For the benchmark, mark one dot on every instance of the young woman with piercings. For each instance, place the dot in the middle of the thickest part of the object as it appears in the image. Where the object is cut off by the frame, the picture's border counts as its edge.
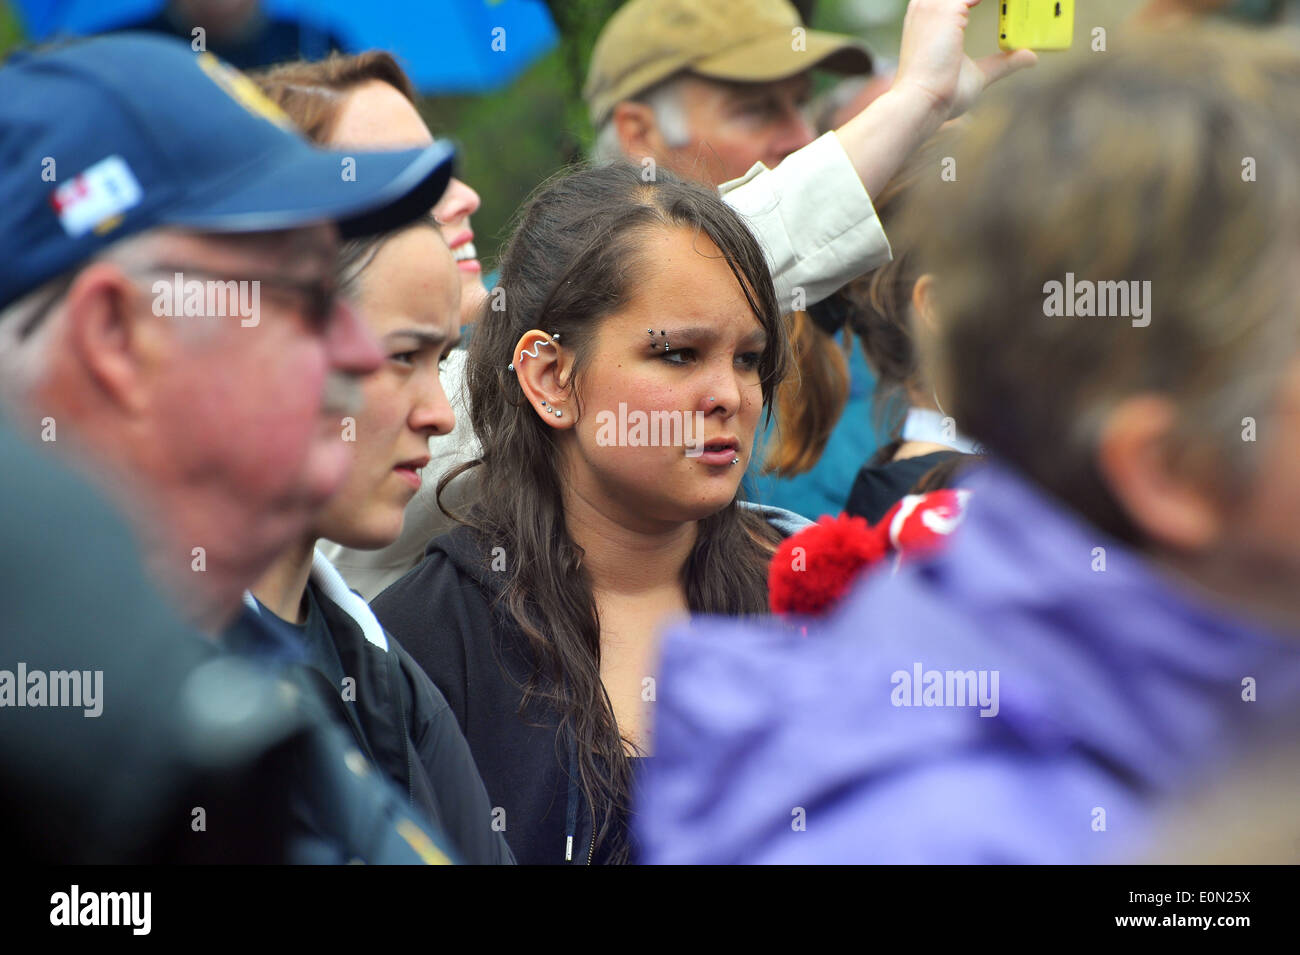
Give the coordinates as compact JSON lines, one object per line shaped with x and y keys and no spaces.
{"x":538,"y":618}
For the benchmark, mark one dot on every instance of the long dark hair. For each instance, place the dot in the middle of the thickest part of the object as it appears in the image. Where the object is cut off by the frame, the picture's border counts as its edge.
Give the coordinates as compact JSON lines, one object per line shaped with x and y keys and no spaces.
{"x":572,"y":260}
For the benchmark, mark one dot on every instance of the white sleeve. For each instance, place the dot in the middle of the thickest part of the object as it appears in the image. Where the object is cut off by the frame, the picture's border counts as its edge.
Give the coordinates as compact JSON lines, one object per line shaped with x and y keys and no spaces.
{"x":813,"y":218}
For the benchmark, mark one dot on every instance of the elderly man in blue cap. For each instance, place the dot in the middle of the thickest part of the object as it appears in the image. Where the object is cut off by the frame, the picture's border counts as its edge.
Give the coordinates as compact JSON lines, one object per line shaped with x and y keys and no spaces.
{"x":169,"y":323}
{"x":168,"y":309}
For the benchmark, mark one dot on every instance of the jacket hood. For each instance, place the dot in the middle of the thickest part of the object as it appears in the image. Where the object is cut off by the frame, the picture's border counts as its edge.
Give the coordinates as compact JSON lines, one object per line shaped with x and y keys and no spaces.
{"x":1112,"y":690}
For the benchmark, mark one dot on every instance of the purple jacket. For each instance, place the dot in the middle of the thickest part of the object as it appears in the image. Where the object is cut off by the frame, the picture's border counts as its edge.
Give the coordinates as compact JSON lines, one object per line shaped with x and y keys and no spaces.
{"x":1102,"y":693}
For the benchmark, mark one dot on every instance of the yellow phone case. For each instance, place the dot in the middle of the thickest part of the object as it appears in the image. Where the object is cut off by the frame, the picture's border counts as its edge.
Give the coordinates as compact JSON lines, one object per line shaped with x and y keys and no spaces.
{"x":1036,"y":24}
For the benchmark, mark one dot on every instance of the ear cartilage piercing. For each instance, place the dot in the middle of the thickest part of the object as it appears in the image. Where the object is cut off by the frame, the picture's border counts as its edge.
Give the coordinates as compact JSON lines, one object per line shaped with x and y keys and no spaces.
{"x":531,"y":352}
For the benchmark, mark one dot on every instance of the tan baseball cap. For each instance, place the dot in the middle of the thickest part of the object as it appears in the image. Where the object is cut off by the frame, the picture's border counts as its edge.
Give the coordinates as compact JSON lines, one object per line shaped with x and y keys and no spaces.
{"x":746,"y":41}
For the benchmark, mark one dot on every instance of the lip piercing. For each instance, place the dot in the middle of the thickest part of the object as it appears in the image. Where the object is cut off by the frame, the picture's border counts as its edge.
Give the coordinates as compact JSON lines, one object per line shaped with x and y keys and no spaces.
{"x":735,"y":460}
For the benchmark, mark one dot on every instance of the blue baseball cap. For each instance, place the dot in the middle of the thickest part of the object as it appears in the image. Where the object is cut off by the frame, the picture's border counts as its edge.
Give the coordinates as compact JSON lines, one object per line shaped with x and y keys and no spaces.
{"x":107,"y":137}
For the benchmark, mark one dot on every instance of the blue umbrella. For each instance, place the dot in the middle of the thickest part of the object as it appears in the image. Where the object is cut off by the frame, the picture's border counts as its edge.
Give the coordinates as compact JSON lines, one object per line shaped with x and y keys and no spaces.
{"x":447,"y":46}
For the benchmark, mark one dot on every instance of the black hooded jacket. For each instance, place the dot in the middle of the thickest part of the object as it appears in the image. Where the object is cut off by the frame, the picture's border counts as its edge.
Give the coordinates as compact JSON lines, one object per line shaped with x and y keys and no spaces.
{"x":446,"y":613}
{"x":401,"y":722}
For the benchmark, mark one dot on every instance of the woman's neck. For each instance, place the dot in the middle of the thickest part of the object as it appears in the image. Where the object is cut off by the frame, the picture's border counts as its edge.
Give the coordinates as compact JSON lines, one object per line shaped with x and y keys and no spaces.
{"x":282,"y":588}
{"x":622,"y":560}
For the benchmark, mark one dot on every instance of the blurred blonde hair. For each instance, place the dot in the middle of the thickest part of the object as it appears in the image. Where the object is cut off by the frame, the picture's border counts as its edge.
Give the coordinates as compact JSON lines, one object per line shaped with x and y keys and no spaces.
{"x":1128,"y":166}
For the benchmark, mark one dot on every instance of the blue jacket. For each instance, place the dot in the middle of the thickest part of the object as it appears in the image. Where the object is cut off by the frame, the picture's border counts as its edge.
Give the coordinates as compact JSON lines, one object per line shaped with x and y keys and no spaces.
{"x":1115,"y":690}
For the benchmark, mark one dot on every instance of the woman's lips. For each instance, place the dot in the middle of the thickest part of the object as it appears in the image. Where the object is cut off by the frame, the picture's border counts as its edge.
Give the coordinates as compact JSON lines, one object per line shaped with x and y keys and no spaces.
{"x":718,"y":453}
{"x":408,"y":474}
{"x":409,"y":471}
{"x":464,"y":252}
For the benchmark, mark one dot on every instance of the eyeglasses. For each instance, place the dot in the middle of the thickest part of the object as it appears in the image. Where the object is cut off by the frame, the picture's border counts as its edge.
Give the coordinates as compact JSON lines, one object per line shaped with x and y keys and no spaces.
{"x":320,"y":297}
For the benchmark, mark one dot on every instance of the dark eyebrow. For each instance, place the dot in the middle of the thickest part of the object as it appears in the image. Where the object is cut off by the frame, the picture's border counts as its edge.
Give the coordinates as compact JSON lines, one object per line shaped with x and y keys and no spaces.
{"x":424,"y":336}
{"x":707,"y":333}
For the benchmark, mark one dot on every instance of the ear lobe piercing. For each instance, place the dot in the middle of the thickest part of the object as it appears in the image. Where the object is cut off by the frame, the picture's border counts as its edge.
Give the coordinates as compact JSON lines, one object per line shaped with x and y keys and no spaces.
{"x":555,"y":411}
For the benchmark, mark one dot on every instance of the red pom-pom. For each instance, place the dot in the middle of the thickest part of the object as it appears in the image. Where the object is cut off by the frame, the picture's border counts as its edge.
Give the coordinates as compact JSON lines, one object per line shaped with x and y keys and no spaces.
{"x":812,"y":569}
{"x":920,"y":522}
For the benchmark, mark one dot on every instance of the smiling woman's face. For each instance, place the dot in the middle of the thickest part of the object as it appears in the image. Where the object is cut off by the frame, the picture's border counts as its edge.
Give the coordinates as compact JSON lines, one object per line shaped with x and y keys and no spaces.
{"x":708,"y":374}
{"x":377,"y":116}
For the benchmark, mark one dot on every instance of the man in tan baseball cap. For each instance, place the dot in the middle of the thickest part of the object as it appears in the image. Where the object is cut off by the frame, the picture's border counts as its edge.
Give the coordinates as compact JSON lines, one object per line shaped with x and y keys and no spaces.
{"x":669,"y":75}
{"x":713,"y":91}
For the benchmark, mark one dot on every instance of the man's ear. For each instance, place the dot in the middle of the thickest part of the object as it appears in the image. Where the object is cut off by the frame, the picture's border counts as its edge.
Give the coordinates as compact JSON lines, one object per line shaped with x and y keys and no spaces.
{"x":1175,"y":509}
{"x":543,"y":367}
{"x":637,"y":130}
{"x":115,"y":345}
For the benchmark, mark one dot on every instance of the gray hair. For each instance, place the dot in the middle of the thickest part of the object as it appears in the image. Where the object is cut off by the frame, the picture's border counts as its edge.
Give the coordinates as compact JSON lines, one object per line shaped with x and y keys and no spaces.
{"x":665,"y":102}
{"x":27,"y":325}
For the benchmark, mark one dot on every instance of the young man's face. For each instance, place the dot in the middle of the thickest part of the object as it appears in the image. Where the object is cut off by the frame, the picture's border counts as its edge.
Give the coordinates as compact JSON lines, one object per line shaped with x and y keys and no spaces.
{"x":734,"y":125}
